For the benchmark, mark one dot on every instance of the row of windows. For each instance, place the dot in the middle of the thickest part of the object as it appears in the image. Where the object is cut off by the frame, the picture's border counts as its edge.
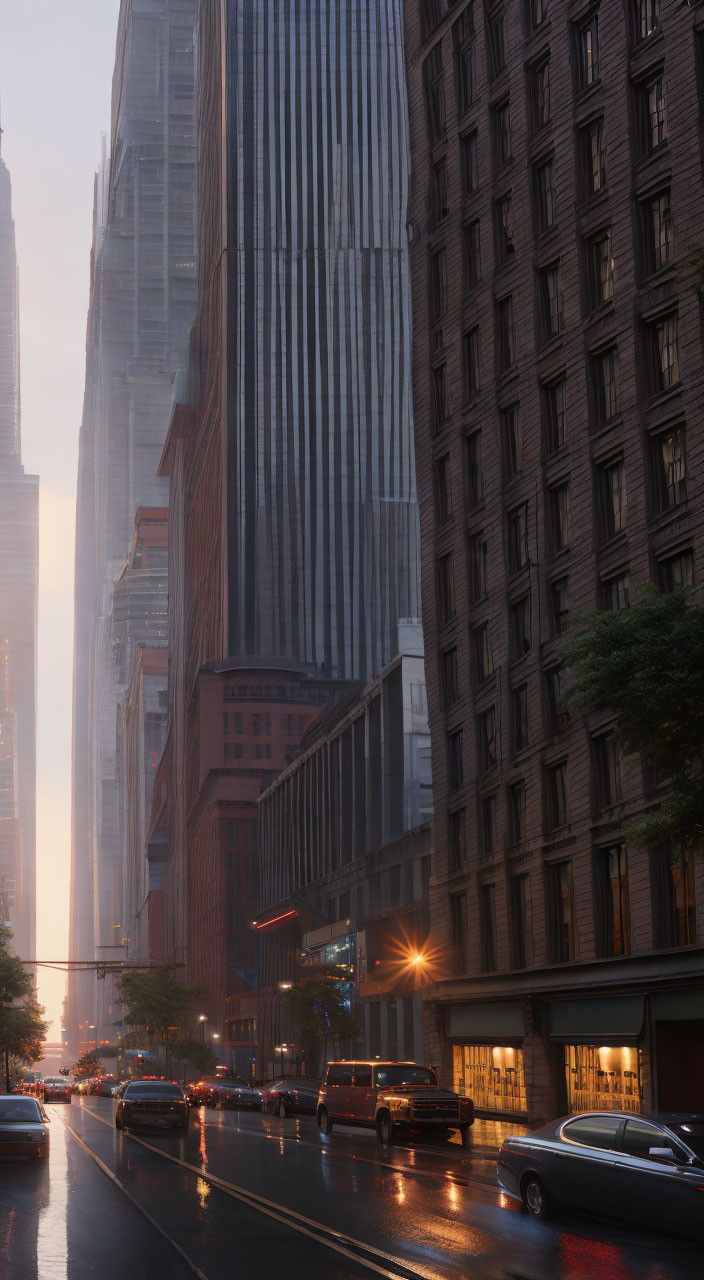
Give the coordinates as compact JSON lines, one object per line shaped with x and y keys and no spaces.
{"x":674,"y":910}
{"x":262,"y":722}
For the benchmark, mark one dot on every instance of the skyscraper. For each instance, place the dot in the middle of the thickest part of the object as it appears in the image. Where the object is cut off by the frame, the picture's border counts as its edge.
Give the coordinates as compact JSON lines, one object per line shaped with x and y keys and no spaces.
{"x":19,"y":515}
{"x":141,"y":310}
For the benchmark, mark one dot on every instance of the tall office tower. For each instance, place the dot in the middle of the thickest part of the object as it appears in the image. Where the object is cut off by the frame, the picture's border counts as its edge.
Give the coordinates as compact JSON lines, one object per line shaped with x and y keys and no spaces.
{"x":293,"y":527}
{"x":141,"y":309}
{"x":557,"y":196}
{"x":19,"y":516}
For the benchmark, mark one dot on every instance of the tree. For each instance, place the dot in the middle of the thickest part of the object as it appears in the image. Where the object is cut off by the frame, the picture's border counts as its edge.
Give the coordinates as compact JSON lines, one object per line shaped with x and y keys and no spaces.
{"x":192,"y":1053}
{"x":318,"y":1010}
{"x":646,"y":665}
{"x":159,"y":1003}
{"x":88,"y":1066}
{"x":22,"y":1028}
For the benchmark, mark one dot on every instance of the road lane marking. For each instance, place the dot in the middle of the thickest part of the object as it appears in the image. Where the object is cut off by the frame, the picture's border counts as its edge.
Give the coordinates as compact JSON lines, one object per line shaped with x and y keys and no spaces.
{"x":289,"y":1217}
{"x":114,"y":1179}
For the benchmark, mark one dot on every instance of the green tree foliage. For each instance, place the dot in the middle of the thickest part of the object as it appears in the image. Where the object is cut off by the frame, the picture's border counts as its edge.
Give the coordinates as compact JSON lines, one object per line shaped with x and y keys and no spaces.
{"x":22,"y":1029}
{"x":157,"y":1001}
{"x":646,"y":665}
{"x":193,"y":1053}
{"x":87,"y":1067}
{"x":317,"y":1009}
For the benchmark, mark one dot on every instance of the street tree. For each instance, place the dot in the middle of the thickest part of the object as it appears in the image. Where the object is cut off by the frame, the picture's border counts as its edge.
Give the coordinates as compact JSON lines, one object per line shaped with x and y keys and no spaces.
{"x":22,"y":1028}
{"x":88,"y":1066}
{"x":646,"y":665}
{"x":319,"y":1013}
{"x":158,"y":1002}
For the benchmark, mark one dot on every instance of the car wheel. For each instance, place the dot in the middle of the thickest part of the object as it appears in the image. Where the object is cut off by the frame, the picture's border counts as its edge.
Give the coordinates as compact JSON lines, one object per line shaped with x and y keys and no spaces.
{"x":535,"y":1197}
{"x":324,"y":1121}
{"x":118,"y":1122}
{"x":385,"y":1128}
{"x":281,"y":1109}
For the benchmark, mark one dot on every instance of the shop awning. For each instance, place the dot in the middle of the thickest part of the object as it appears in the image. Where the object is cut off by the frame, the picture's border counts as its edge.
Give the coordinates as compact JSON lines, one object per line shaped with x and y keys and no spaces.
{"x":680,"y":1006}
{"x":495,"y":1023}
{"x":609,"y":1020}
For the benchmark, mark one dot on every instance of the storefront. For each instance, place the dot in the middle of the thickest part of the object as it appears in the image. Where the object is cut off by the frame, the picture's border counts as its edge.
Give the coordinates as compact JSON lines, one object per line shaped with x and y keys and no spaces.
{"x":605,"y":1060}
{"x":487,"y":1056}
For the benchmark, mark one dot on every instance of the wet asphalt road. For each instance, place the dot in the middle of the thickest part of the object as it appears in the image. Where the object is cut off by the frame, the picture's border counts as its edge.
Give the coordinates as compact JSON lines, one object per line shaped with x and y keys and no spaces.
{"x":247,"y":1197}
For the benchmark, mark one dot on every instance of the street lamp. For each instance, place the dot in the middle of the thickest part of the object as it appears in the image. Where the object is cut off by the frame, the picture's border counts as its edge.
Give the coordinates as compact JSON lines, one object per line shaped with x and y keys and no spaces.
{"x":203,"y":1018}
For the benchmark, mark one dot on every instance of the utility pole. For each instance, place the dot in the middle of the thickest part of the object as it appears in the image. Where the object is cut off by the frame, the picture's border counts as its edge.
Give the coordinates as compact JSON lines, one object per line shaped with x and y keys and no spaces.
{"x":7,"y":1071}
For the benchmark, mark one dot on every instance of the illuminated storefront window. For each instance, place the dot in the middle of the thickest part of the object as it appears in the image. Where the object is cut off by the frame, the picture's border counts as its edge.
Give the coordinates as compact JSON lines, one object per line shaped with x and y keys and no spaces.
{"x":602,"y":1079}
{"x":492,"y":1075}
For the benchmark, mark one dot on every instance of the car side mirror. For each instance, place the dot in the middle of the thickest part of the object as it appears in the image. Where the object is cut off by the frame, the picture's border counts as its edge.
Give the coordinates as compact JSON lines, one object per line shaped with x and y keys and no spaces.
{"x":662,"y":1153}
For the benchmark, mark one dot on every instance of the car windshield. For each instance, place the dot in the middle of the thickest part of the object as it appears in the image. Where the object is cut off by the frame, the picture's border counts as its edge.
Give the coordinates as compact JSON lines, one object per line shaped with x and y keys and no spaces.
{"x":692,"y":1134}
{"x":399,"y":1074}
{"x":153,"y":1091}
{"x":20,"y":1109}
{"x":55,"y":1080}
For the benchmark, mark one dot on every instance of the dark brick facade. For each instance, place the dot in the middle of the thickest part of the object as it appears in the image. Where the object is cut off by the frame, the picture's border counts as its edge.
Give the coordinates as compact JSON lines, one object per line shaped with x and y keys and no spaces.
{"x":557,"y":197}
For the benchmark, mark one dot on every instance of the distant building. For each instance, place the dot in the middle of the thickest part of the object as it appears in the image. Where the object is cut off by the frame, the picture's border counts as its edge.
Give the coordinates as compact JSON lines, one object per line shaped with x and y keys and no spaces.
{"x":19,"y":553}
{"x":557,"y":197}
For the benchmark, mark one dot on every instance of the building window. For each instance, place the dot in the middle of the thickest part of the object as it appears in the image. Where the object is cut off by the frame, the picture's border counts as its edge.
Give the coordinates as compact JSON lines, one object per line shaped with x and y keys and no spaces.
{"x":438,"y":285}
{"x":463,"y":39}
{"x":554,"y":414}
{"x":537,"y":13}
{"x":456,"y":839}
{"x":616,"y":592}
{"x":600,"y":264}
{"x":551,"y":300}
{"x":503,"y":221}
{"x":539,"y":81}
{"x":664,"y":352}
{"x":677,"y":571}
{"x":608,"y":771}
{"x":434,"y":93}
{"x":555,"y":686}
{"x":478,"y":559}
{"x":544,"y":183}
{"x":669,"y":467}
{"x":520,"y":628}
{"x":511,"y":436}
{"x":519,"y":718}
{"x":492,"y":1075}
{"x":560,"y":517}
{"x":443,"y":490}
{"x":522,"y":921}
{"x":450,"y":679}
{"x":593,"y":157}
{"x":475,"y":479}
{"x":446,"y":587}
{"x":482,"y":652}
{"x":432,"y":12}
{"x":487,"y":739}
{"x":469,"y":162}
{"x":605,"y":372}
{"x":496,"y":41}
{"x":673,"y":898}
{"x":455,"y":756}
{"x":648,"y":18}
{"x":470,"y":364}
{"x":602,"y":1078}
{"x":438,"y":377}
{"x":488,"y":927}
{"x":439,"y":207}
{"x":655,"y":113}
{"x":556,"y":796}
{"x":657,"y":221}
{"x":561,"y":901}
{"x":472,"y":255}
{"x":559,"y":606}
{"x":612,"y":487}
{"x":458,"y":923}
{"x":505,"y":334}
{"x":502,"y":133}
{"x":588,"y":52}
{"x":517,"y":810}
{"x":518,"y":538}
{"x":488,"y":824}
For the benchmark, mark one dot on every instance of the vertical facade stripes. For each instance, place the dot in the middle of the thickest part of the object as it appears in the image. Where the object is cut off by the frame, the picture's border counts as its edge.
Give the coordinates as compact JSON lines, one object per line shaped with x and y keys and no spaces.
{"x":323,"y":526}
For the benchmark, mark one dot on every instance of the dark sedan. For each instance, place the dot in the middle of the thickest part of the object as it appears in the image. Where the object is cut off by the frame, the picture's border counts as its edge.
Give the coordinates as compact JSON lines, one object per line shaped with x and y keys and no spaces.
{"x":57,"y":1089}
{"x":155,"y":1102}
{"x":647,"y":1169}
{"x":235,"y":1091}
{"x":23,"y":1127}
{"x":297,"y":1096}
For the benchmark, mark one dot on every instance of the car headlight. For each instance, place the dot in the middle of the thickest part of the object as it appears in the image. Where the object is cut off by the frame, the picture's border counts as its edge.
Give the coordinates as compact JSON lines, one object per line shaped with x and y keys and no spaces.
{"x":399,"y":1104}
{"x":42,"y":1137}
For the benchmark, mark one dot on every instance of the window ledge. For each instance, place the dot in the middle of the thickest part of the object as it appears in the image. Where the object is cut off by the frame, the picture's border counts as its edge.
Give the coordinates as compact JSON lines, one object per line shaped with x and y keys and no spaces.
{"x":551,"y":344}
{"x":603,"y":428}
{"x":669,"y":516}
{"x":662,"y":397}
{"x":596,"y":315}
{"x":616,"y":540}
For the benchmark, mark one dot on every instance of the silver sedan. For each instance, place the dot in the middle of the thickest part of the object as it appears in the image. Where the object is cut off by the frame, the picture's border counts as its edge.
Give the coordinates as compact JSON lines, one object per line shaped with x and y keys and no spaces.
{"x":23,"y":1127}
{"x":647,"y":1169}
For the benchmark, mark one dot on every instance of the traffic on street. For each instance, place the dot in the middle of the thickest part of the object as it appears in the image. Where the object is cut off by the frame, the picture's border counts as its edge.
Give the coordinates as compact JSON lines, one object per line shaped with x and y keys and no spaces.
{"x":251,"y":1194}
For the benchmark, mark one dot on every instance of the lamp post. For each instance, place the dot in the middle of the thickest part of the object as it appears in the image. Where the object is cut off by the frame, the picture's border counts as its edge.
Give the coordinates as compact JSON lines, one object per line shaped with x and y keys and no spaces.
{"x":203,"y":1018}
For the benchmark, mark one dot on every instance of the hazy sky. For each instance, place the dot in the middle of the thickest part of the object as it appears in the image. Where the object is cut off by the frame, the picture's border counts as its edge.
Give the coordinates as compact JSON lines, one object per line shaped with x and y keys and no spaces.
{"x":56,"y":59}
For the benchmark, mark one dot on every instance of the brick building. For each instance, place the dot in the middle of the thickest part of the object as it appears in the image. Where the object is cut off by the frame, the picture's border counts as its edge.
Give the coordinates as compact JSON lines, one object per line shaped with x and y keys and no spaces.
{"x":556,"y":200}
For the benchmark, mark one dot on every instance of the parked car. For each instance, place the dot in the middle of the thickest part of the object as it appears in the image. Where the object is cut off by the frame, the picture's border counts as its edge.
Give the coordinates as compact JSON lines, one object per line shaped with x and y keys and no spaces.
{"x":23,"y":1127}
{"x":57,"y":1089}
{"x":390,"y":1096}
{"x":104,"y":1086}
{"x":234,"y":1091}
{"x":296,"y":1096}
{"x":649,"y":1169}
{"x":152,"y":1102}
